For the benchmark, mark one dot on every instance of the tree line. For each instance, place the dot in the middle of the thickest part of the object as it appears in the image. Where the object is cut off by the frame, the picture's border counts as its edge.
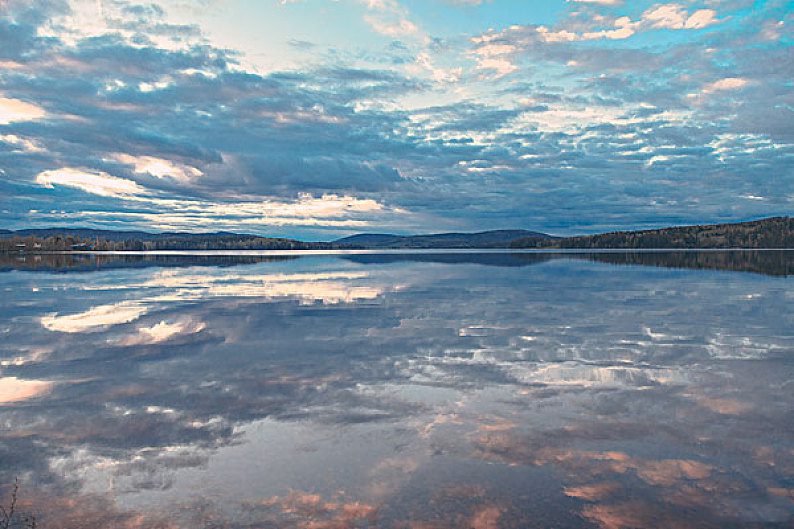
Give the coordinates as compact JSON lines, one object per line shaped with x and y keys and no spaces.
{"x":59,"y":243}
{"x":776,"y":232}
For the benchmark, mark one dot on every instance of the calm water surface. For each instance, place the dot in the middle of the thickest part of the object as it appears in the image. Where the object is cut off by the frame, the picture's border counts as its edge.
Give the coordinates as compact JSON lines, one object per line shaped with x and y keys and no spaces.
{"x":399,"y":391}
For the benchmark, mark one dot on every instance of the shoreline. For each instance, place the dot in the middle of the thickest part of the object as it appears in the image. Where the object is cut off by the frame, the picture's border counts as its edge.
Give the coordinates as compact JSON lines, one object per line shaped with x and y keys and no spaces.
{"x":398,"y":251}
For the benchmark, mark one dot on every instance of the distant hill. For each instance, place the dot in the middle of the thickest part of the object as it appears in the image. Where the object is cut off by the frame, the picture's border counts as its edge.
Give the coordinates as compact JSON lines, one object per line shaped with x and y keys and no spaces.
{"x":66,"y":239}
{"x":485,"y":239}
{"x":368,"y":239}
{"x":113,"y":235}
{"x":775,"y":232}
{"x":92,"y":239}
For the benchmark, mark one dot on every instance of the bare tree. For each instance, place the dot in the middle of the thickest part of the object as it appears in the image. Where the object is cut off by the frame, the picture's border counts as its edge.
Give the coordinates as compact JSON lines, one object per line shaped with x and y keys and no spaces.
{"x":10,"y":518}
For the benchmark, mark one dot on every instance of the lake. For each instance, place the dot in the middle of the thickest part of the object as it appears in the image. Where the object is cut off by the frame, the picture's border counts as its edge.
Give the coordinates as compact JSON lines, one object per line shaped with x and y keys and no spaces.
{"x":399,"y":390}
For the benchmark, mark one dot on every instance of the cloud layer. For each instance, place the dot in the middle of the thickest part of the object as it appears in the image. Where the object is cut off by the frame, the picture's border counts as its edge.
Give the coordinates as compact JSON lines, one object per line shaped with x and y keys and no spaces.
{"x":599,"y":115}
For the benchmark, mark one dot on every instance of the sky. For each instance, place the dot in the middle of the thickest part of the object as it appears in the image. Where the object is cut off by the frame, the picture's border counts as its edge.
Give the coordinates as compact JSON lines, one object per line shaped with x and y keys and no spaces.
{"x":317,"y":119}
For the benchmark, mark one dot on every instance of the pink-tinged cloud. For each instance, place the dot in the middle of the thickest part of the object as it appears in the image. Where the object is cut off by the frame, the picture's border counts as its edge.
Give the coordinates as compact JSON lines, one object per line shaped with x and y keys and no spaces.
{"x":13,"y":110}
{"x":94,"y":182}
{"x":13,"y":389}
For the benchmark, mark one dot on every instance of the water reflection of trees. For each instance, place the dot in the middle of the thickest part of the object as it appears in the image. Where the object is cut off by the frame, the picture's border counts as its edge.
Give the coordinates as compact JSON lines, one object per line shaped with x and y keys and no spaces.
{"x":75,"y":262}
{"x":776,"y":263}
{"x":767,"y":262}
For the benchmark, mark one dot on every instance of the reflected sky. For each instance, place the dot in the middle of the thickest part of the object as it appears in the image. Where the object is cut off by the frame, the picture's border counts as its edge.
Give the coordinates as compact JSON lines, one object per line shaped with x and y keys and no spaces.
{"x":472,"y":390}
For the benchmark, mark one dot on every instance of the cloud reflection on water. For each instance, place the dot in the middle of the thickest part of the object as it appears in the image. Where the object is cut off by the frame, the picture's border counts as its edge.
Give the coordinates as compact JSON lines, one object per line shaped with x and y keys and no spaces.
{"x":330,"y":287}
{"x":327,"y":392}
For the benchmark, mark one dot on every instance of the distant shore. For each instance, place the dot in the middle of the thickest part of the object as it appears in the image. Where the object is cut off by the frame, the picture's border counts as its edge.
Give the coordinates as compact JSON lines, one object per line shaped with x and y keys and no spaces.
{"x":399,"y":251}
{"x":771,"y":233}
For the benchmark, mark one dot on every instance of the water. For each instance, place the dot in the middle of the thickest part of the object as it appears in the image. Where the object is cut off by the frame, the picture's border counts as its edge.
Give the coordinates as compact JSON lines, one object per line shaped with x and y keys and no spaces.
{"x":420,"y":391}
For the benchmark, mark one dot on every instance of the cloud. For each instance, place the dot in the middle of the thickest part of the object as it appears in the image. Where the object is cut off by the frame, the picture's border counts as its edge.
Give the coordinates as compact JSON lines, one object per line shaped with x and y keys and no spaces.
{"x":701,"y":18}
{"x":495,"y":57}
{"x":95,"y":319}
{"x":134,"y":418}
{"x":13,"y":389}
{"x":594,"y":492}
{"x":624,"y":30}
{"x":424,"y":62}
{"x":312,"y":510}
{"x":390,"y":18}
{"x":675,"y":16}
{"x":94,"y":182}
{"x":328,"y":288}
{"x":564,"y":113}
{"x":728,"y":83}
{"x":307,"y":210}
{"x":664,"y":16}
{"x":161,"y":332}
{"x":174,"y":213}
{"x":13,"y":110}
{"x":158,"y":167}
{"x":392,"y":28}
{"x":23,"y":144}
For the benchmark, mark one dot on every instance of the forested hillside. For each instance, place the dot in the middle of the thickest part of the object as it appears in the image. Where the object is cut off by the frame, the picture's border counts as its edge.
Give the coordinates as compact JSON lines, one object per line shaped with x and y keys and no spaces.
{"x":33,"y":243}
{"x":775,"y":232}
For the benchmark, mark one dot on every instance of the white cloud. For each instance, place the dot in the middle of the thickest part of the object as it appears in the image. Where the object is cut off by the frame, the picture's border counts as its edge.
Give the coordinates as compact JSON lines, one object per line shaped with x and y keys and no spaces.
{"x":306,"y":209}
{"x":500,"y":65}
{"x":670,"y":16}
{"x":572,"y":119}
{"x":662,"y":16}
{"x":21,"y":143}
{"x":13,"y":389}
{"x":158,"y":167}
{"x":495,"y":57}
{"x":389,"y":18}
{"x":151,"y":87}
{"x":93,"y":18}
{"x":424,"y":63}
{"x":12,"y":110}
{"x":94,"y":182}
{"x":400,"y":27}
{"x":11,"y":65}
{"x":675,"y":16}
{"x":623,"y":28}
{"x":701,"y":19}
{"x":721,"y":85}
{"x":728,"y":83}
{"x":329,"y":210}
{"x":491,"y":50}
